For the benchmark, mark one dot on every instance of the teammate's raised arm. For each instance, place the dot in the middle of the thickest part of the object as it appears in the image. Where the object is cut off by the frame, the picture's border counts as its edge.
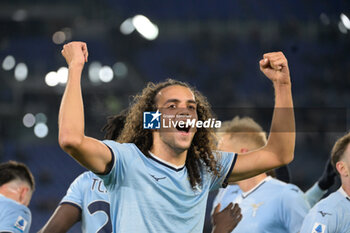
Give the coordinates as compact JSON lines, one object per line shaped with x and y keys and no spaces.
{"x":279,"y":149}
{"x":89,"y":152}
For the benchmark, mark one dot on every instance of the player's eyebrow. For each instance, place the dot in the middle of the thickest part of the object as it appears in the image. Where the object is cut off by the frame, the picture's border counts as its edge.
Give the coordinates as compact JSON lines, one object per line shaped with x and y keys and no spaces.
{"x":177,"y":101}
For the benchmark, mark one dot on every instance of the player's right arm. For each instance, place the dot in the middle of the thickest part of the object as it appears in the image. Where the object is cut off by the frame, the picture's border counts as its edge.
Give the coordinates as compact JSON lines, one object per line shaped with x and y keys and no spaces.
{"x":89,"y":152}
{"x":64,"y":217}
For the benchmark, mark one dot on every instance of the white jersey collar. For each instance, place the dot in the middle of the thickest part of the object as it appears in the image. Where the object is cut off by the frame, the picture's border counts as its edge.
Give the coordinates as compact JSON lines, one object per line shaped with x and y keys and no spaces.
{"x":165,"y":162}
{"x":244,"y":194}
{"x":342,"y":191}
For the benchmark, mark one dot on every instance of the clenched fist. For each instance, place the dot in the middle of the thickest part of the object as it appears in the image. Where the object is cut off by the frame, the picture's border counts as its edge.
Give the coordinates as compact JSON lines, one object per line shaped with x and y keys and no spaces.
{"x":75,"y":53}
{"x":275,"y":66}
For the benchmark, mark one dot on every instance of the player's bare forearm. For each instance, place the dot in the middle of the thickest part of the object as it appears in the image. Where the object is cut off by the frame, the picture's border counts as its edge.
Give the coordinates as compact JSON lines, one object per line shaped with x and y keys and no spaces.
{"x":281,"y":140}
{"x":89,"y":152}
{"x":71,"y":114}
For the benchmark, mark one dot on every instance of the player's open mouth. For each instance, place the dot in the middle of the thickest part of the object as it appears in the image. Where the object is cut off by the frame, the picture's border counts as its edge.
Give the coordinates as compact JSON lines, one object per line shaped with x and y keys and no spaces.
{"x":183,"y":129}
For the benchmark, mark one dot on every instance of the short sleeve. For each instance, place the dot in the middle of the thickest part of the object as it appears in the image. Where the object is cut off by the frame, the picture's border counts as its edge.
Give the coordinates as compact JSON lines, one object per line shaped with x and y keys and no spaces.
{"x":16,"y":220}
{"x":293,"y":208}
{"x":75,"y":192}
{"x":226,"y":162}
{"x":122,"y":155}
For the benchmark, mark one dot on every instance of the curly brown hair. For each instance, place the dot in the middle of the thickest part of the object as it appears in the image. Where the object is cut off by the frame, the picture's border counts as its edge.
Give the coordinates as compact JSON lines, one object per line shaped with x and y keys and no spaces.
{"x":203,"y":143}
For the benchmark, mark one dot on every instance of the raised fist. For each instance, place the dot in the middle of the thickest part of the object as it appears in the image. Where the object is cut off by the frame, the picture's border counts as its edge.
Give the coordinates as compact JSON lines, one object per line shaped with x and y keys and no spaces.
{"x":75,"y":53}
{"x":275,"y":66}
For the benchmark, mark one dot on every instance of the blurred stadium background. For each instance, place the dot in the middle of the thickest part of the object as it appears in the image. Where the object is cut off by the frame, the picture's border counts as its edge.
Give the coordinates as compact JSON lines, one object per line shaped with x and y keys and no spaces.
{"x":214,"y":45}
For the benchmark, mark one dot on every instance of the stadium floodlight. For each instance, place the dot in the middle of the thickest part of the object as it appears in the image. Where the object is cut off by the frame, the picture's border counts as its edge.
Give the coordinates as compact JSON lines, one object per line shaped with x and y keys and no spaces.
{"x":41,"y":130}
{"x":94,"y":70}
{"x":21,"y":72}
{"x":127,"y":27}
{"x":106,"y":74}
{"x":62,"y":74}
{"x":342,"y":28}
{"x":28,"y":120}
{"x":40,"y":118}
{"x":145,"y":27}
{"x":9,"y":62}
{"x":345,"y":20}
{"x":120,"y":69}
{"x":51,"y":79}
{"x":59,"y":37}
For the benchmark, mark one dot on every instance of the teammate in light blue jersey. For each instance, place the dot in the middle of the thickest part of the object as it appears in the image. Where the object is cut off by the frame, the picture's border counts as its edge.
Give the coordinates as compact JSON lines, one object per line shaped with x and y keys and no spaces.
{"x":158,"y":178}
{"x":271,"y":206}
{"x":14,"y":217}
{"x":88,"y":197}
{"x":16,"y":188}
{"x":267,"y":204}
{"x":332,"y":214}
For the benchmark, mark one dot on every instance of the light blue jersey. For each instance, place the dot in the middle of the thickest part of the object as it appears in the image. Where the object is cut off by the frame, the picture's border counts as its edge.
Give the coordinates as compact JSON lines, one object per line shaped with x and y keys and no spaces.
{"x":272,"y":206}
{"x":331,"y":215}
{"x":14,"y":217}
{"x":89,"y":194}
{"x":150,"y":195}
{"x":230,"y":191}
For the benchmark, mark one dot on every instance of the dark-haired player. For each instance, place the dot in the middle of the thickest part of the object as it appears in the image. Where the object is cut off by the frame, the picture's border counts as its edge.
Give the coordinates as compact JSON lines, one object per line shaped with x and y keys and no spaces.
{"x":16,"y":189}
{"x":159,"y":180}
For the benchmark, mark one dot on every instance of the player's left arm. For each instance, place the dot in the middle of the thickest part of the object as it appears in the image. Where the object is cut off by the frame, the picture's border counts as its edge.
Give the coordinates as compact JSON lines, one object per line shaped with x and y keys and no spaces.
{"x":279,"y":149}
{"x":64,"y":217}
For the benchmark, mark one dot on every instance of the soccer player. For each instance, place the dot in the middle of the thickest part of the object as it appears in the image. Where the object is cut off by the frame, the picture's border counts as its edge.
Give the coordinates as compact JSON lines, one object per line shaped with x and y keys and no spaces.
{"x":332,"y":214}
{"x":16,"y":189}
{"x":268,"y":205}
{"x":159,"y":180}
{"x":87,"y":199}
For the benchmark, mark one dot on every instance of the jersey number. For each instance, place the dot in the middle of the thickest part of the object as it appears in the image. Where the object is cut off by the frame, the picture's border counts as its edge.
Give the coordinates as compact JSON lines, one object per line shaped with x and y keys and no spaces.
{"x":103,"y":206}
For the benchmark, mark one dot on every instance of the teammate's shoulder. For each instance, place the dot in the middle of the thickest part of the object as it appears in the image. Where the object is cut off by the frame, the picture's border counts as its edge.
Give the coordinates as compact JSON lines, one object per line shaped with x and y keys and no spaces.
{"x":8,"y":203}
{"x":89,"y":175}
{"x":275,"y":183}
{"x":333,"y":201}
{"x":284,"y":188}
{"x":293,"y":188}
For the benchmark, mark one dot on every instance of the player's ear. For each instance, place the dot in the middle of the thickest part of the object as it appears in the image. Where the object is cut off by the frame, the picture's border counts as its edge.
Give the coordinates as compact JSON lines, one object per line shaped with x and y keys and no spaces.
{"x":342,"y":168}
{"x":23,"y":195}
